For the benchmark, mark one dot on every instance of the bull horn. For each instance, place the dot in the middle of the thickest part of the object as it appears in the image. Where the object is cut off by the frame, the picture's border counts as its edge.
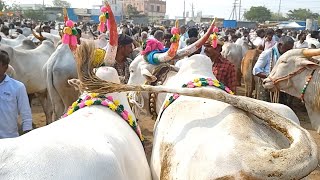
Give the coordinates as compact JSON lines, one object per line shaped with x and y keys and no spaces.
{"x":293,"y":162}
{"x":40,"y":38}
{"x":94,"y":35}
{"x":113,"y":39}
{"x":196,"y":45}
{"x":171,"y":53}
{"x":311,"y":52}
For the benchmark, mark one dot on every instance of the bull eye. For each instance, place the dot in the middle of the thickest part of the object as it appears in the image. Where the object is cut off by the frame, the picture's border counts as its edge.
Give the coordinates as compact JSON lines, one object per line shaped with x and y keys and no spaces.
{"x":283,"y":61}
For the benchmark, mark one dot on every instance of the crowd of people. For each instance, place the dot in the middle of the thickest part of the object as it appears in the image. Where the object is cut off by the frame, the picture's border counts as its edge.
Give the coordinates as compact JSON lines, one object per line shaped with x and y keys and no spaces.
{"x":273,"y":43}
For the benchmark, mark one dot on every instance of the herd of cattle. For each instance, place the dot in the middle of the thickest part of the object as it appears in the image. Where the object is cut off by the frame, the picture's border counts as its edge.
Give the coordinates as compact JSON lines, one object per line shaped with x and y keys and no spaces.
{"x":194,"y":138}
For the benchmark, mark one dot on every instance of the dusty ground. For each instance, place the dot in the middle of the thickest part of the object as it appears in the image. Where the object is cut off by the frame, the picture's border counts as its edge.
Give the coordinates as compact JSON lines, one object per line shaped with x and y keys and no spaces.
{"x":147,"y":127}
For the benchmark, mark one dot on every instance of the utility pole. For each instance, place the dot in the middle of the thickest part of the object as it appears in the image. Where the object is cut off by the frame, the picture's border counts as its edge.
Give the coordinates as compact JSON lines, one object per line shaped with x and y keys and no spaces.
{"x":233,"y":15}
{"x":184,"y":9}
{"x":279,"y":10}
{"x":192,"y":11}
{"x":239,"y":10}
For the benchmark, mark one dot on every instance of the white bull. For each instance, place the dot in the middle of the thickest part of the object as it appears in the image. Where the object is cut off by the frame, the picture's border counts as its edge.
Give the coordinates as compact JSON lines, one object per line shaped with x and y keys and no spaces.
{"x":290,"y":75}
{"x":197,"y":138}
{"x":60,"y":67}
{"x":92,"y":143}
{"x":28,"y":66}
{"x":13,"y":42}
{"x":234,"y":53}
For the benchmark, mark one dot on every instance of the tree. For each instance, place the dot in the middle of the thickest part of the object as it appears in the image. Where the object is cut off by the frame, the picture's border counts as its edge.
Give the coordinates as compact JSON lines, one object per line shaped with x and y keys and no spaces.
{"x":61,"y":3}
{"x":132,"y":11}
{"x":258,"y":13}
{"x":2,"y":5}
{"x":278,"y":17}
{"x":34,"y":14}
{"x":302,"y":14}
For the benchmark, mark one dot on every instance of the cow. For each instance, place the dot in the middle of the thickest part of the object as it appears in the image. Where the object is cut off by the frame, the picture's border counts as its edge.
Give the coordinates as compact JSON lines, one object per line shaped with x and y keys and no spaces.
{"x":197,"y":138}
{"x":13,"y":42}
{"x":234,"y":53}
{"x":28,"y":66}
{"x":200,"y":138}
{"x":291,"y":74}
{"x":61,"y":66}
{"x":26,"y":44}
{"x":94,"y":142}
{"x":248,"y":61}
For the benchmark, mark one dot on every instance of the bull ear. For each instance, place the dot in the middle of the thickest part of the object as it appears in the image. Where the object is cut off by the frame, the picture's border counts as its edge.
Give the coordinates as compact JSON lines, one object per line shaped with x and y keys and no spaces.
{"x":148,"y":75}
{"x":309,"y":64}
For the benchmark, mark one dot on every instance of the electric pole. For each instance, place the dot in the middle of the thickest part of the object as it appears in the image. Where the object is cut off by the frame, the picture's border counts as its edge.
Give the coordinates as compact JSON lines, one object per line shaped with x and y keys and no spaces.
{"x":279,"y":10}
{"x":192,"y":10}
{"x":184,"y":9}
{"x":233,"y":15}
{"x":239,"y":10}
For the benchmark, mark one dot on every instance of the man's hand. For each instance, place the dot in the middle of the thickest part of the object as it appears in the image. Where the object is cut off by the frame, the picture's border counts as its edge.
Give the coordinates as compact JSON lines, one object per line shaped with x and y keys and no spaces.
{"x":262,"y":75}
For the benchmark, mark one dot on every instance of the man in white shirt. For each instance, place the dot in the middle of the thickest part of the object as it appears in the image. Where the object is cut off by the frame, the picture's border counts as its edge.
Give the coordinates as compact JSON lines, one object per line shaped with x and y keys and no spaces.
{"x":301,"y":43}
{"x":13,"y":101}
{"x":267,"y":61}
{"x":259,"y":39}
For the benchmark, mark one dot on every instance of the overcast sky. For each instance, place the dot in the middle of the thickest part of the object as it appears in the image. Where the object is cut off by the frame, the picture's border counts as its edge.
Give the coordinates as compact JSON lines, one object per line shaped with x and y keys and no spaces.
{"x":218,"y":8}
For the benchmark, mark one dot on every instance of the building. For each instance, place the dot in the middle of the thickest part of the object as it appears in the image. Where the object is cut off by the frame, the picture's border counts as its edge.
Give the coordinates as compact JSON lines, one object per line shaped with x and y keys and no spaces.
{"x":154,"y":9}
{"x":31,"y":6}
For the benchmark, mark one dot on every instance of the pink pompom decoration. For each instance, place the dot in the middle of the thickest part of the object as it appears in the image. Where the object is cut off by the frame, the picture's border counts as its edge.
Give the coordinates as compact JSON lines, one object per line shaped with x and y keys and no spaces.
{"x":214,"y":43}
{"x":73,"y":41}
{"x":69,"y":23}
{"x":81,"y":105}
{"x":104,"y":103}
{"x":65,"y":39}
{"x":124,"y":116}
{"x":174,"y":30}
{"x":102,"y":28}
{"x":215,"y":29}
{"x":110,"y":98}
{"x":104,"y":9}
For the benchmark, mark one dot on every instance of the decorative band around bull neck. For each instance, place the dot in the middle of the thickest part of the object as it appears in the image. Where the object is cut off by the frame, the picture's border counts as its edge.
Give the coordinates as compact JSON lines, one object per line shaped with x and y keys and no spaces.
{"x":303,"y":91}
{"x":198,"y":82}
{"x":114,"y":105}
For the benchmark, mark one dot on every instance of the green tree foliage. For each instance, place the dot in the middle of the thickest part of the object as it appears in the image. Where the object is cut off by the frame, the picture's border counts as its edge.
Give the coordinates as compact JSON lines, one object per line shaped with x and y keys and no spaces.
{"x":34,"y":14}
{"x":258,"y":13}
{"x":278,"y":17}
{"x":132,"y":11}
{"x":61,"y":3}
{"x":302,"y":14}
{"x":2,"y":5}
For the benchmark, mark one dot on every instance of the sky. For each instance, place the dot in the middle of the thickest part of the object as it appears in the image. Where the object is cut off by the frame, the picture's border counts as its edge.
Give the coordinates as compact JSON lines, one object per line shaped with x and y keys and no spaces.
{"x":217,"y":8}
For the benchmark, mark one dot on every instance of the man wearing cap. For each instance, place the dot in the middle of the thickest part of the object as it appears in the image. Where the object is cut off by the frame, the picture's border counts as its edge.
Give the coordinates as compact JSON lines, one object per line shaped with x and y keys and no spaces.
{"x":266,"y":62}
{"x":122,"y":63}
{"x":223,"y":69}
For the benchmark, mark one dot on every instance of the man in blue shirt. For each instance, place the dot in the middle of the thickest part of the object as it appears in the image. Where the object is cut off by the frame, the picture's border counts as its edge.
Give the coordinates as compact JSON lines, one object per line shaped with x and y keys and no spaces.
{"x":266,"y":62}
{"x":13,"y":101}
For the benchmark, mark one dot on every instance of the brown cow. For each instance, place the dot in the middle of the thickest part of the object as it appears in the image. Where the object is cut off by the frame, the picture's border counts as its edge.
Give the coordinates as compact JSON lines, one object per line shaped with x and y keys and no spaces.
{"x":247,"y":64}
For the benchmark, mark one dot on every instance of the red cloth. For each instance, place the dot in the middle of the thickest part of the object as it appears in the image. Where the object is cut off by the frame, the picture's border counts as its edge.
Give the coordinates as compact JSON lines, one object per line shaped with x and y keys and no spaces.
{"x":225,"y":72}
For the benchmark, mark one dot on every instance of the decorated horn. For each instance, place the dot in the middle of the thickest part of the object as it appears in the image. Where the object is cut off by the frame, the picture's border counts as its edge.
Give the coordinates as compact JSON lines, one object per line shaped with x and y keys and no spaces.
{"x":40,"y":38}
{"x":196,"y":45}
{"x":171,"y":53}
{"x":311,"y":52}
{"x":113,"y":33}
{"x":65,"y":15}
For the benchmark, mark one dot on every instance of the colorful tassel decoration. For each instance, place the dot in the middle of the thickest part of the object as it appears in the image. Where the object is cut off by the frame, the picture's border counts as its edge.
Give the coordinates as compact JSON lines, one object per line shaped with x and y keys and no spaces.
{"x":69,"y":36}
{"x":103,"y":18}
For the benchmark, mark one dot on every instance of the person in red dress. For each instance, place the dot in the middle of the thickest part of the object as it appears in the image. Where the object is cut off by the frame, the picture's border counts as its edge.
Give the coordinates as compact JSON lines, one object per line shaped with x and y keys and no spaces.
{"x":223,"y":69}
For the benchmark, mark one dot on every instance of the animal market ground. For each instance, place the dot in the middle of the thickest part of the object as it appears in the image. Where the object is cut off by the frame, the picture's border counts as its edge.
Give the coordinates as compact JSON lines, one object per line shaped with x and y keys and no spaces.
{"x":147,"y":126}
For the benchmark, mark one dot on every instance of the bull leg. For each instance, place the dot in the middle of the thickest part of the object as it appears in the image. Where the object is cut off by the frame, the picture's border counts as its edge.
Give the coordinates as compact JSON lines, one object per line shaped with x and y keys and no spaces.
{"x":30,"y":97}
{"x":239,"y":77}
{"x":46,"y":106}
